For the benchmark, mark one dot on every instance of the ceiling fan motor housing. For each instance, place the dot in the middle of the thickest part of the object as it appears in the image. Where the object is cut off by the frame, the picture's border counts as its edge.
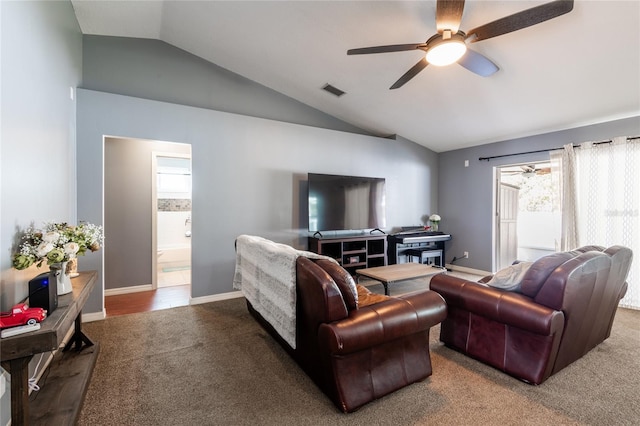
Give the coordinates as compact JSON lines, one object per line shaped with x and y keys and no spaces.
{"x":446,"y":48}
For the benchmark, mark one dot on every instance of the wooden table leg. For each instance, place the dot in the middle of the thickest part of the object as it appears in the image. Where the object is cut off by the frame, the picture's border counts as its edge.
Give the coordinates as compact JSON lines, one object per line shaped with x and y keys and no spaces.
{"x":384,"y":283}
{"x":78,"y":338}
{"x":19,"y":370}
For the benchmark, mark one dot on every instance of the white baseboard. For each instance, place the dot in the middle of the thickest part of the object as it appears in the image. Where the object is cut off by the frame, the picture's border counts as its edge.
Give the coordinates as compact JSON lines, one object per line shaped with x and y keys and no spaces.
{"x":127,"y":290}
{"x":467,"y":270}
{"x":215,"y":297}
{"x":94,"y":316}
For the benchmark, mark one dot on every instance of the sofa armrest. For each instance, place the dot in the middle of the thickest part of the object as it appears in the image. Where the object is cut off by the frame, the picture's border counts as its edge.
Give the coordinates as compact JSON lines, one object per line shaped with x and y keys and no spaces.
{"x":383,"y":322}
{"x":505,"y":307}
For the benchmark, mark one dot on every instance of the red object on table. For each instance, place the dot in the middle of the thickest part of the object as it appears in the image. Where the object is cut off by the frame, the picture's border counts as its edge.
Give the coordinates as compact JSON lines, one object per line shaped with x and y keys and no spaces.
{"x":21,"y":314}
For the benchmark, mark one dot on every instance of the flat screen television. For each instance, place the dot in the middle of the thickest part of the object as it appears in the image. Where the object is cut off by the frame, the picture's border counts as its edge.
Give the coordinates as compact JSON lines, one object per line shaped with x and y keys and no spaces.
{"x":339,"y":203}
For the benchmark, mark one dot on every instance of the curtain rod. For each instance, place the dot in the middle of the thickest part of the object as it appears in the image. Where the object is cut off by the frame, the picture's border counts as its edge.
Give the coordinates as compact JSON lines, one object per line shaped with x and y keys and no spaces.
{"x":545,"y":150}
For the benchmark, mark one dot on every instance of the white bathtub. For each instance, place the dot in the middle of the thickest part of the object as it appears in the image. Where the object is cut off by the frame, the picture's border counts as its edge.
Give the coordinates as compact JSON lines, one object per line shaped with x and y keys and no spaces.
{"x":174,"y":246}
{"x":174,"y":258}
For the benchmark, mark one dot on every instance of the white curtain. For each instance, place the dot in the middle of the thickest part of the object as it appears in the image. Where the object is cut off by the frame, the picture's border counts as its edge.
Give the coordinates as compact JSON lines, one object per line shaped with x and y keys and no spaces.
{"x":565,"y":202}
{"x":609,"y":201}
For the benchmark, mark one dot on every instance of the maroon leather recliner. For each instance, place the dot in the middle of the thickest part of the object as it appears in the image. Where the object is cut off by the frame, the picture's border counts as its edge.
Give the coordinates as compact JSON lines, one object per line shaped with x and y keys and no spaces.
{"x":358,"y":353}
{"x":566,"y":307}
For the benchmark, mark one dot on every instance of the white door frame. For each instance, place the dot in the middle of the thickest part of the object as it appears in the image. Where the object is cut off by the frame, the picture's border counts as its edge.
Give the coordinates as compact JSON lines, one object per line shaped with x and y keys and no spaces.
{"x":495,"y":234}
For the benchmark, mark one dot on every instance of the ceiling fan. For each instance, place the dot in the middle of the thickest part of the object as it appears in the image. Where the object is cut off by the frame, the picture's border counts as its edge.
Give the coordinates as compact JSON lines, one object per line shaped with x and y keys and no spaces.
{"x":449,"y":45}
{"x":527,"y":170}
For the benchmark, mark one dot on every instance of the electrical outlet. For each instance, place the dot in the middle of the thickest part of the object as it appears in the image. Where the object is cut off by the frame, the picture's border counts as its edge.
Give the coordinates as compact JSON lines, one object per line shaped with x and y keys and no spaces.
{"x":466,"y":254}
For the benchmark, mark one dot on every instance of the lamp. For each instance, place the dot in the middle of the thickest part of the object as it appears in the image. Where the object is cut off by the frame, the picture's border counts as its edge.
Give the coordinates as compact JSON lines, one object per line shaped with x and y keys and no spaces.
{"x":446,"y":49}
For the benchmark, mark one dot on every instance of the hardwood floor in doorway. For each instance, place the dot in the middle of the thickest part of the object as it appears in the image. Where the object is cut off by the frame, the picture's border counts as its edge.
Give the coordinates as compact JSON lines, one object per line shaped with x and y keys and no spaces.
{"x":145,"y":301}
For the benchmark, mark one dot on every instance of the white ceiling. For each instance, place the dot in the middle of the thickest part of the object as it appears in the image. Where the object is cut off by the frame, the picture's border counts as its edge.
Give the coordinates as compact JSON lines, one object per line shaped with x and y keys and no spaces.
{"x":577,"y":69}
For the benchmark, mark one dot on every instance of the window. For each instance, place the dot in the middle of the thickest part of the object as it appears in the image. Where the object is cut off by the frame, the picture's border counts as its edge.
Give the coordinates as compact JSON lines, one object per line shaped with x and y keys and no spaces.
{"x":174,"y":177}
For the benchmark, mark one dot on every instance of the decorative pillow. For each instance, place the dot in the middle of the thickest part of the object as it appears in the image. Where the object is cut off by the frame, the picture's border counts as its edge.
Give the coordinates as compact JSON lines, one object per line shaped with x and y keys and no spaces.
{"x":343,"y":280}
{"x":366,"y":298}
{"x":510,"y":278}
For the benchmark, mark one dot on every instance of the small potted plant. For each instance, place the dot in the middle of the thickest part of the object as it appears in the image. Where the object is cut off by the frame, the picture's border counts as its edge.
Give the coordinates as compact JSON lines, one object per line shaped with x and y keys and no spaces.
{"x":435,"y":221}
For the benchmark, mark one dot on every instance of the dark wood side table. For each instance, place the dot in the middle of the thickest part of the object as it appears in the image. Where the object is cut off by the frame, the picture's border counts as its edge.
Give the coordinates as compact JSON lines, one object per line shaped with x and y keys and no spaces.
{"x":17,"y":351}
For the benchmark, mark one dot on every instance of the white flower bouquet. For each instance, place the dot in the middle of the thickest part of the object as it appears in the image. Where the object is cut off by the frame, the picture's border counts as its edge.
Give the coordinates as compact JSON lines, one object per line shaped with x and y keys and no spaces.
{"x":57,"y":242}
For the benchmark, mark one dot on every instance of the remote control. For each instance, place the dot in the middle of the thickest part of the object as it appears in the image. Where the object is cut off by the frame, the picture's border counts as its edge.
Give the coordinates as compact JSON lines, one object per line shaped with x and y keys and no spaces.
{"x":8,"y":332}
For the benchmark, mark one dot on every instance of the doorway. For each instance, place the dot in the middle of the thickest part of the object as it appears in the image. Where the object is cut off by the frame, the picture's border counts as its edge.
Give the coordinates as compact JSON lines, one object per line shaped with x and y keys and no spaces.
{"x":171,"y":219}
{"x":130,"y":210}
{"x":526,"y":227}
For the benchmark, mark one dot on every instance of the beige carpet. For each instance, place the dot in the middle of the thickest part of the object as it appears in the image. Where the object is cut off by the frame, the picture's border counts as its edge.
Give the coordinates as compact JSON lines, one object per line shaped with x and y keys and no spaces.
{"x":212,"y":364}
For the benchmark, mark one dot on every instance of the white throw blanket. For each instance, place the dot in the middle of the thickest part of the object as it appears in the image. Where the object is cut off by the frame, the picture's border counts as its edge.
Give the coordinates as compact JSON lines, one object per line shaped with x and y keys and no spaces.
{"x":266,"y":275}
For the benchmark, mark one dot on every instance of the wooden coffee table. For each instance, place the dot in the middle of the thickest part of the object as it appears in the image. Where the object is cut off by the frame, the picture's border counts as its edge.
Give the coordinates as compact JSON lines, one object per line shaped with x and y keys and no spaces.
{"x":399,"y":272}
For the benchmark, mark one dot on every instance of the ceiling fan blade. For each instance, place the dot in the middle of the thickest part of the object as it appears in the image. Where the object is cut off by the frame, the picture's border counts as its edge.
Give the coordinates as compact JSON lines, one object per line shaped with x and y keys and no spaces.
{"x":411,"y":73}
{"x":448,"y":15}
{"x":520,"y":20}
{"x":385,"y":49}
{"x":477,"y":63}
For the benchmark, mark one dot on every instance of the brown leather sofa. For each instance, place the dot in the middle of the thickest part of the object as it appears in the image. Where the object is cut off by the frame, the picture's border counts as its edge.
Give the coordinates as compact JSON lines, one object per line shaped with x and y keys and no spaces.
{"x":355,"y":345}
{"x":566,"y":307}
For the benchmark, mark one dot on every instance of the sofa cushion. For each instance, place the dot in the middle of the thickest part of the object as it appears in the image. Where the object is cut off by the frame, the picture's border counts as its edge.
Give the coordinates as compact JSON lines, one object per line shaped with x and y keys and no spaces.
{"x":510,"y":278}
{"x":343,"y":280}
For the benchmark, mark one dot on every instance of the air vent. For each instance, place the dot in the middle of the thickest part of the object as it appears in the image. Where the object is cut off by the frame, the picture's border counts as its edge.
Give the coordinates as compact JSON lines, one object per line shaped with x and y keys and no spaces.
{"x":333,"y":90}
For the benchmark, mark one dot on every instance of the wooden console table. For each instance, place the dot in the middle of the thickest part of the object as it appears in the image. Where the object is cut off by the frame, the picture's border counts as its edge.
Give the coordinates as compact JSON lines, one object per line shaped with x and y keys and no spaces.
{"x":17,"y":351}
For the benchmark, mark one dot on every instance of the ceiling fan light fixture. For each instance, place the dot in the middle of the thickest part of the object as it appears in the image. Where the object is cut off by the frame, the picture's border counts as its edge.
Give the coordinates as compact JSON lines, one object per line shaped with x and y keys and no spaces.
{"x":446,"y":51}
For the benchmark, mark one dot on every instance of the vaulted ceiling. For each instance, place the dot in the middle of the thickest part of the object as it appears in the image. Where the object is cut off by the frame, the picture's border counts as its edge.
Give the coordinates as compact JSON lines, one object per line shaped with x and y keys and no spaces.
{"x":577,"y":69}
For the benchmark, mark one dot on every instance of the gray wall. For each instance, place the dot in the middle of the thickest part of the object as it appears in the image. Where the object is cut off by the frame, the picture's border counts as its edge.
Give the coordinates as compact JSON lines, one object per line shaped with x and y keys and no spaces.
{"x":153,"y":69}
{"x":248,"y":175}
{"x":41,"y":59}
{"x":270,"y":163}
{"x":466,"y":194}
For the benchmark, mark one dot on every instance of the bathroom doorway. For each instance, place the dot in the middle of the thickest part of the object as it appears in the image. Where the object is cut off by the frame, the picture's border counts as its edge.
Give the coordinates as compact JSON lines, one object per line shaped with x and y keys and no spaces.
{"x":171,"y":174}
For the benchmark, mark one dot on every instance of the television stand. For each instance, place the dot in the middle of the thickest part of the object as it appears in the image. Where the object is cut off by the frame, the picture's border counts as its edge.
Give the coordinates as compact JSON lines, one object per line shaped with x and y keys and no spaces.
{"x":353,"y":252}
